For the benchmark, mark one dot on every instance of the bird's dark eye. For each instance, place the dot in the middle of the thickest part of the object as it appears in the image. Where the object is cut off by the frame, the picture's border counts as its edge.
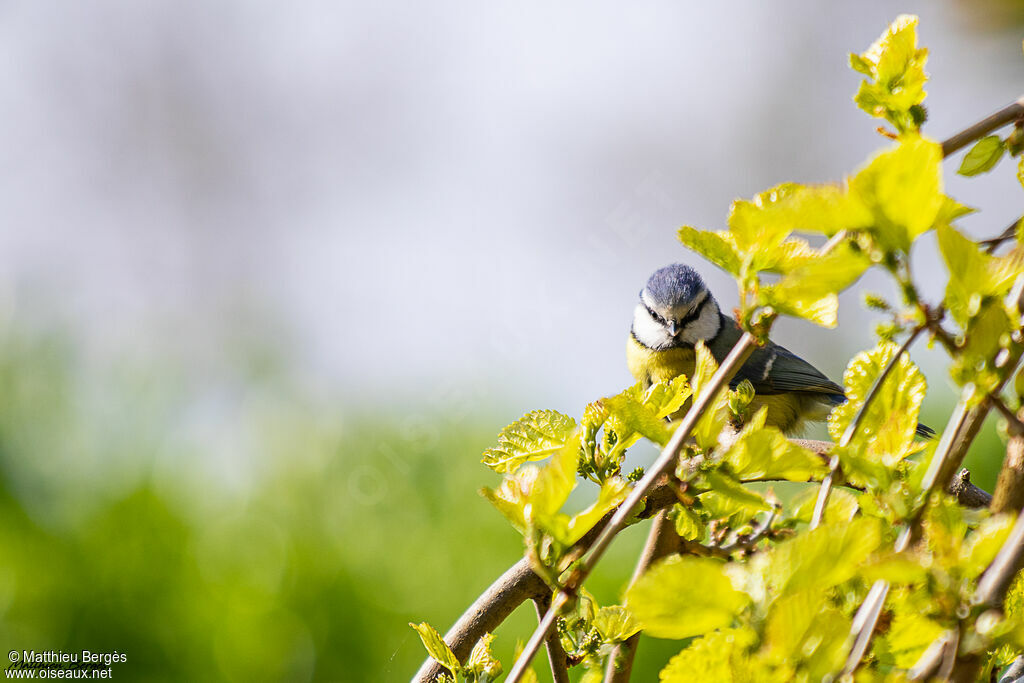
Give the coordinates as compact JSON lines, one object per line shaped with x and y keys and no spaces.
{"x":655,"y":315}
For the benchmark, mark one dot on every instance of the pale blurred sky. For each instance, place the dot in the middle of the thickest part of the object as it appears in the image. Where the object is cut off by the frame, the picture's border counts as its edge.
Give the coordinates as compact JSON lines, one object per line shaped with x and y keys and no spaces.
{"x":414,"y":196}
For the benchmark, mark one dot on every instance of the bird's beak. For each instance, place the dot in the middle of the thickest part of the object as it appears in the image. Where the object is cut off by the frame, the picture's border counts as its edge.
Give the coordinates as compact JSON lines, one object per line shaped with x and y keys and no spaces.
{"x":673,"y":327}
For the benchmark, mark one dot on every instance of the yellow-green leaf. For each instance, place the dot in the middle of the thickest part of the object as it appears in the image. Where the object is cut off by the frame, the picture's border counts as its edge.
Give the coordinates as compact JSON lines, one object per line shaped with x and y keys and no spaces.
{"x":681,"y":597}
{"x":902,"y":188}
{"x":689,"y":525}
{"x":482,"y":662}
{"x":761,"y":452}
{"x":887,"y":432}
{"x":630,"y":420}
{"x":436,"y":647}
{"x":983,"y":156}
{"x":535,"y":436}
{"x":714,"y":246}
{"x":719,"y":656}
{"x":909,"y":636}
{"x":824,"y":557}
{"x":710,"y":424}
{"x":615,"y":623}
{"x":894,"y":66}
{"x":984,"y":542}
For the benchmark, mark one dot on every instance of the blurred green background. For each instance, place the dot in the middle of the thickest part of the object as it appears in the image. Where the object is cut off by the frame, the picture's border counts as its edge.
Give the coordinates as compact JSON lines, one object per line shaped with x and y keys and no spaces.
{"x":273,"y":276}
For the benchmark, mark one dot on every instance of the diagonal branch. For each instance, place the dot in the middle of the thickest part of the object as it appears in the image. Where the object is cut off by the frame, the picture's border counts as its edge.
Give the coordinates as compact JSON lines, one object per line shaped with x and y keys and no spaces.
{"x":739,"y":354}
{"x":1004,"y":116}
{"x":662,"y":541}
{"x":517,"y":585}
{"x":556,"y":655}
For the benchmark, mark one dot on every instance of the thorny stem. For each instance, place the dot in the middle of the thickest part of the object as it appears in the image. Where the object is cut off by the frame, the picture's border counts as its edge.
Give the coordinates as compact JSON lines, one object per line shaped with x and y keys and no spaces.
{"x":739,"y":354}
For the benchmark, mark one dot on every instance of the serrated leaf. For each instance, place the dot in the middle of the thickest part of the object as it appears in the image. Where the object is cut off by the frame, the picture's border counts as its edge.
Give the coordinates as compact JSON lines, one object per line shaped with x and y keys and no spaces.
{"x":861,"y":65}
{"x":761,"y":224}
{"x":823,"y":557}
{"x":689,"y":525}
{"x":719,"y":656}
{"x":482,"y":663}
{"x":984,"y":543}
{"x":986,"y":333}
{"x":631,"y":419}
{"x":716,"y":247}
{"x":894,"y":66}
{"x":436,"y":647}
{"x":615,"y":623}
{"x":944,"y":531}
{"x":902,"y":189}
{"x":662,"y":398}
{"x":681,"y":597}
{"x":761,"y":452}
{"x":983,"y":156}
{"x":887,"y":432}
{"x":535,"y":436}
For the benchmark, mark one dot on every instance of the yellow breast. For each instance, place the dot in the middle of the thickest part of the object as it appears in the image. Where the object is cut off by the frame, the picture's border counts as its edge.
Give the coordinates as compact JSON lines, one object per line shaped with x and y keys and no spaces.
{"x":785,"y":411}
{"x":650,"y":366}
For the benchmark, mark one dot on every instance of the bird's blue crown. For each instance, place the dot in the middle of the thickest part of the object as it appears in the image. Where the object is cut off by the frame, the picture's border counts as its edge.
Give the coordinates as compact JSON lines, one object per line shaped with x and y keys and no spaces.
{"x":674,"y":285}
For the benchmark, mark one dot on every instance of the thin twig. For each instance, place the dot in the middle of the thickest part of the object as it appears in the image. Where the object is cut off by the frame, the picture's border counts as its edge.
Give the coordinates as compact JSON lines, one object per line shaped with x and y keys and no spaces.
{"x":749,"y":541}
{"x":1007,"y":114}
{"x":739,"y":354}
{"x":1013,"y":424}
{"x":993,"y":243}
{"x":556,"y":655}
{"x":826,"y":486}
{"x":662,"y":541}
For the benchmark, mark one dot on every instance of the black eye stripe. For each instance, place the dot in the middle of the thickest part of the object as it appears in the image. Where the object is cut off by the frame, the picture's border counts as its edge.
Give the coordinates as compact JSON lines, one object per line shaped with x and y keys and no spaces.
{"x":689,"y":318}
{"x":694,"y":314}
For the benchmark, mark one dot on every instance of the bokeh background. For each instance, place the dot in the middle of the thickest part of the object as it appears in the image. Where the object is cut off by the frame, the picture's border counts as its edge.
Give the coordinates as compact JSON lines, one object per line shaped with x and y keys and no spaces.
{"x":273,"y":275}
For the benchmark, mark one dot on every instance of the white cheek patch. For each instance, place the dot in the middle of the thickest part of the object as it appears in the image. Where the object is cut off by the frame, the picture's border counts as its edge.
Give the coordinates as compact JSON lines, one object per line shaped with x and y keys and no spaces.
{"x":705,"y":327}
{"x":649,"y":331}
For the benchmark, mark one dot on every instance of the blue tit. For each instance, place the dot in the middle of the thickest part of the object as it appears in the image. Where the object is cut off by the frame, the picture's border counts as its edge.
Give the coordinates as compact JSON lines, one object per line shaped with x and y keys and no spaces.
{"x":676,"y":311}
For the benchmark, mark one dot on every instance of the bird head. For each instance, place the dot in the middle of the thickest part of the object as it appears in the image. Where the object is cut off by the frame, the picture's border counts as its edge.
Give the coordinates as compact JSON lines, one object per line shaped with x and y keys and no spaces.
{"x":675,"y":309}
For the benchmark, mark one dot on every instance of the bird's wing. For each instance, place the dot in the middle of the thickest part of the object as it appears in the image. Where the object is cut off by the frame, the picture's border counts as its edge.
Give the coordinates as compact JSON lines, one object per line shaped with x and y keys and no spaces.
{"x":776,"y":370}
{"x":773,"y":369}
